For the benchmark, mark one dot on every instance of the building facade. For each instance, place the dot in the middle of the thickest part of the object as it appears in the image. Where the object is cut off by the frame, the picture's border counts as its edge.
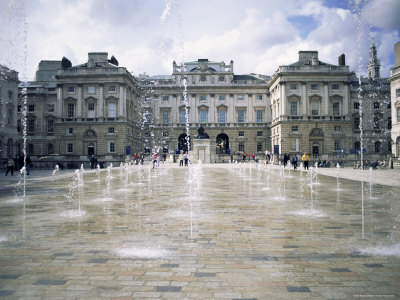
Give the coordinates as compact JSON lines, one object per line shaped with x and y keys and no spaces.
{"x":310,"y":103}
{"x":8,"y":113}
{"x":395,"y":101}
{"x":233,"y":109}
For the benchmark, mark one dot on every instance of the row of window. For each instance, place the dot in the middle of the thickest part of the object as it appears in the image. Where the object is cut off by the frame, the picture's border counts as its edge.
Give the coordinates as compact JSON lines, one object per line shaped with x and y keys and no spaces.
{"x":203,"y":114}
{"x":204,"y":97}
{"x":91,"y":89}
{"x":314,"y":87}
{"x":69,"y":148}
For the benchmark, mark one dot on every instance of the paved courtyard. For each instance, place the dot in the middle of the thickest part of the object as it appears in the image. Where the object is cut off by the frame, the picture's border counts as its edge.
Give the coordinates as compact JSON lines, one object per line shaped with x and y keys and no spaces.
{"x":209,"y":232}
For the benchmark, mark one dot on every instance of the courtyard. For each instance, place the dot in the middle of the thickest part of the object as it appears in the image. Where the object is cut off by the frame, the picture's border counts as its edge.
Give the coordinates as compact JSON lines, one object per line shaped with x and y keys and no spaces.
{"x":226,"y":231}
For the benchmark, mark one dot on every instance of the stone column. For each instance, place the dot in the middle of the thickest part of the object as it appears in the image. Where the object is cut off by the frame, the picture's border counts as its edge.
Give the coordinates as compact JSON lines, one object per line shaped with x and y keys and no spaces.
{"x":326,"y":100}
{"x":304,"y":97}
{"x":100,"y":103}
{"x":231,"y":107}
{"x":283,"y":98}
{"x":346,"y":98}
{"x":122,"y":100}
{"x":79,"y":103}
{"x":59,"y":101}
{"x":250,"y":112}
{"x":212,"y":110}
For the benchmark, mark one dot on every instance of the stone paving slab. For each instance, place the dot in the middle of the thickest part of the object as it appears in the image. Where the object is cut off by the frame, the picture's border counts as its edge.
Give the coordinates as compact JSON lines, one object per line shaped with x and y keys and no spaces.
{"x":216,"y":232}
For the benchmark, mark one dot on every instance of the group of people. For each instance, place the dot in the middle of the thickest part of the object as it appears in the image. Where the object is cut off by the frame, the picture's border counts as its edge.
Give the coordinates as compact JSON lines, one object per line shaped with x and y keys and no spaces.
{"x":14,"y":164}
{"x":184,"y":158}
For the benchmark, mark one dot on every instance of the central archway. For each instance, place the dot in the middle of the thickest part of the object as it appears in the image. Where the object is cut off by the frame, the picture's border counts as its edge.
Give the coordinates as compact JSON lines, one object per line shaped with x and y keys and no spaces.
{"x":183,"y":143}
{"x":222,"y":143}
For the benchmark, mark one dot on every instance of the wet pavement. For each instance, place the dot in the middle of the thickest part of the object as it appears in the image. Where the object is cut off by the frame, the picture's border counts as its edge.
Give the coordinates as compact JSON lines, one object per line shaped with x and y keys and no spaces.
{"x":210,"y":232}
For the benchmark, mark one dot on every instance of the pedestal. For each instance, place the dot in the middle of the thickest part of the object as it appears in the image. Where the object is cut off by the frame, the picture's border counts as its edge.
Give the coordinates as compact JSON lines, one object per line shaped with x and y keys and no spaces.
{"x":201,"y":151}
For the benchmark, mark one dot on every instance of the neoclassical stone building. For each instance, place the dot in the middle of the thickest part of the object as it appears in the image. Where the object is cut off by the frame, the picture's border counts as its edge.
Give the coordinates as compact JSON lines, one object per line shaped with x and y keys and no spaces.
{"x":310,"y":107}
{"x":395,"y":101}
{"x":8,"y":113}
{"x":233,"y":109}
{"x":98,"y":108}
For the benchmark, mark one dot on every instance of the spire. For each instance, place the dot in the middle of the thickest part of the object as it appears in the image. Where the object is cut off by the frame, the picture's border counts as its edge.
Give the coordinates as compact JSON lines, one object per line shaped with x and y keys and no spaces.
{"x":374,"y":65}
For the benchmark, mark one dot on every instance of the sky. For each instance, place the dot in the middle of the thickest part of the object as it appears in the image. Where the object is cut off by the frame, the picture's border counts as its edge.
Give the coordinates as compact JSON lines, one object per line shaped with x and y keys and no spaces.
{"x":146,"y":36}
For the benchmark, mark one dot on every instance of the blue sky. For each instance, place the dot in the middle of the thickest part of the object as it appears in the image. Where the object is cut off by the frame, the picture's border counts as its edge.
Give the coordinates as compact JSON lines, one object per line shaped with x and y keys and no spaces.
{"x":148,"y":35}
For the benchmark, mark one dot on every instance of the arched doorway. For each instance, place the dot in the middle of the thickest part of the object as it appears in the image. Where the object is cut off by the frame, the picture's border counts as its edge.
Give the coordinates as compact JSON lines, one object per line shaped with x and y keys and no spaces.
{"x":316,"y":141}
{"x":222,"y":144}
{"x":89,"y":140}
{"x":183,"y":142}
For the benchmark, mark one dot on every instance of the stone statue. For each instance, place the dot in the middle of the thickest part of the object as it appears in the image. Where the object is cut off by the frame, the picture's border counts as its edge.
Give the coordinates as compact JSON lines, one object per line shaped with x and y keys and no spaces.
{"x":201,"y":134}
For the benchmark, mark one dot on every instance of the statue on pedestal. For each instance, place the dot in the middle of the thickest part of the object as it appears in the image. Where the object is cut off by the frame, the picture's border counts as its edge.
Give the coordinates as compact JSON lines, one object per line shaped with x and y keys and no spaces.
{"x":201,"y":134}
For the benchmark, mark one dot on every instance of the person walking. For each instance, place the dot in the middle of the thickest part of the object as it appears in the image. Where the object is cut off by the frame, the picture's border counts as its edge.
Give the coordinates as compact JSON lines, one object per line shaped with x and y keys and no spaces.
{"x":10,"y":165}
{"x":181,"y":159}
{"x":186,"y":158}
{"x":305,"y":158}
{"x":294,"y":161}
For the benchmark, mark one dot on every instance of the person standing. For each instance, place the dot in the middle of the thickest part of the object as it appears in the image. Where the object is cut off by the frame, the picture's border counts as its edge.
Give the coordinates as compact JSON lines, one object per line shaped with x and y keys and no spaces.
{"x":92,"y":161}
{"x":186,"y":158}
{"x":10,"y":165}
{"x":294,"y":161}
{"x":181,"y":159}
{"x":27,"y":164}
{"x":305,"y":158}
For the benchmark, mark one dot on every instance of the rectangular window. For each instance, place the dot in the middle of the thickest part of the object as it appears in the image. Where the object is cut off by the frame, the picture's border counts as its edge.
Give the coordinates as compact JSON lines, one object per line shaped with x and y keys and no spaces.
{"x":50,"y":107}
{"x":111,"y":146}
{"x":112,"y":110}
{"x":259,"y":147}
{"x":91,"y":113}
{"x":335,"y":86}
{"x":147,"y":117}
{"x":111,"y":88}
{"x":337,"y":128}
{"x":398,"y":93}
{"x":337,"y":144}
{"x":293,"y":87}
{"x":295,"y":128}
{"x":241,"y":133}
{"x":336,"y":108}
{"x":221,"y":97}
{"x":110,"y":129}
{"x":356,"y":105}
{"x":165,"y":98}
{"x":10,"y":95}
{"x":31,"y":108}
{"x":183,"y":116}
{"x":70,"y":130}
{"x":70,"y":110}
{"x":240,"y":97}
{"x":356,"y":123}
{"x":71,"y":89}
{"x":259,"y":133}
{"x":259,"y":115}
{"x":203,"y":98}
{"x":293,"y":108}
{"x":91,"y":89}
{"x":31,"y":126}
{"x":398,"y":115}
{"x":315,"y":108}
{"x":222,"y":116}
{"x":50,"y":126}
{"x":19,"y":126}
{"x":70,"y":147}
{"x":314,"y":86}
{"x":389,"y":123}
{"x":377,"y":123}
{"x":295,"y":144}
{"x":240,"y":113}
{"x":165,"y":134}
{"x":165,"y":116}
{"x":203,"y":116}
{"x":259,"y":97}
{"x":376,"y":105}
{"x":241,"y":146}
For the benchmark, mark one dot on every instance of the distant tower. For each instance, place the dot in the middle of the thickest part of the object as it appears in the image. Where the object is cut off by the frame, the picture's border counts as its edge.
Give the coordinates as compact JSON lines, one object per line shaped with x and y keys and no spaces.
{"x":374,"y":65}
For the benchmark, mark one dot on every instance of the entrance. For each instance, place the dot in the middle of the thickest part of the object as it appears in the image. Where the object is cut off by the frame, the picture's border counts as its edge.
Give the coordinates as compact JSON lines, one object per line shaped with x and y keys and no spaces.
{"x":315,"y":149}
{"x":90,"y":149}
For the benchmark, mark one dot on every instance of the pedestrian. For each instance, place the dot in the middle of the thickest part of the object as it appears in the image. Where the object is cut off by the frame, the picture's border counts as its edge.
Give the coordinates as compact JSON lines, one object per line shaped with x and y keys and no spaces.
{"x":268,"y":156}
{"x":294,"y":161}
{"x":27,"y":164}
{"x":181,"y":159}
{"x":10,"y":165}
{"x":92,"y":161}
{"x":253,"y":156}
{"x":186,"y":158}
{"x":285,"y":159}
{"x":305,"y":158}
{"x":154,"y":158}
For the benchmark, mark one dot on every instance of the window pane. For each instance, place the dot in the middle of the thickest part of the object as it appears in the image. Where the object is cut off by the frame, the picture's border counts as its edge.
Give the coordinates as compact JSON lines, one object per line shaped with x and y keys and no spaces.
{"x":112,"y":110}
{"x":315,"y":108}
{"x":203,"y":116}
{"x":240,"y":116}
{"x":259,"y":116}
{"x":165,"y":117}
{"x":293,"y":108}
{"x":336,"y":108}
{"x":71,"y":110}
{"x":222,"y":116}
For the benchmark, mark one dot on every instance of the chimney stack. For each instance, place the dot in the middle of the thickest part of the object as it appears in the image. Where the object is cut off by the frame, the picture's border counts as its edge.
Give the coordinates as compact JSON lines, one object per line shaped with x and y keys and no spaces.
{"x":342,"y":60}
